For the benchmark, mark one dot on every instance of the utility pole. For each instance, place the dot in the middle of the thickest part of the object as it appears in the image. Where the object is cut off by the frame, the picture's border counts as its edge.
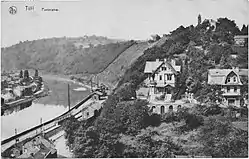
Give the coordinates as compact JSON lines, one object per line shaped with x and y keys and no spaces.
{"x":97,"y":81}
{"x":42,"y":126}
{"x":16,"y":134}
{"x":91,"y":84}
{"x":68,"y":93}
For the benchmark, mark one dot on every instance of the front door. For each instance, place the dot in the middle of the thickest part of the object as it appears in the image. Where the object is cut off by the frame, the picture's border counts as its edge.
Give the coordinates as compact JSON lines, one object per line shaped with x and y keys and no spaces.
{"x":231,"y":101}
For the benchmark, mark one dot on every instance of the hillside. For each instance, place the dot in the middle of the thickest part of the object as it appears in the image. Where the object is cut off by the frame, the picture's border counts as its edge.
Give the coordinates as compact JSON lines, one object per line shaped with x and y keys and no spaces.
{"x":64,"y":55}
{"x":112,"y":74}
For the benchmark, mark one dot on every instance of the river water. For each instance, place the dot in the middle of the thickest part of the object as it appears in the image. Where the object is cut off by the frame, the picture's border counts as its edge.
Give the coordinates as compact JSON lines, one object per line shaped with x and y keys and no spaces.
{"x":43,"y":109}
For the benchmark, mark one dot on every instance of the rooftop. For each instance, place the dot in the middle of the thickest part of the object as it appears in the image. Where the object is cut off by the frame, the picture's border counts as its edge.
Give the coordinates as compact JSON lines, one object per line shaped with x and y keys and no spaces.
{"x":152,"y":66}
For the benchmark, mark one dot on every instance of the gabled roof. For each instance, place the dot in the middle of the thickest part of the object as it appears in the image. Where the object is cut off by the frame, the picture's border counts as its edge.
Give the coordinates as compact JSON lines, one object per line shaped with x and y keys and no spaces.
{"x":218,"y":76}
{"x":152,"y":66}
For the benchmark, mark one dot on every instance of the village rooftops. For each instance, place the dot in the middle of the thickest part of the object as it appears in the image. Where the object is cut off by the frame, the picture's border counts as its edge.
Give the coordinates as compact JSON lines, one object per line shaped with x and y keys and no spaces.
{"x":218,"y":76}
{"x":152,"y":66}
{"x":37,"y":148}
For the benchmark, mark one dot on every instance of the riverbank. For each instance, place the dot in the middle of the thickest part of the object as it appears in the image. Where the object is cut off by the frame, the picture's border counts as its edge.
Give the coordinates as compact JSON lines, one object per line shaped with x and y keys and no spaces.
{"x":58,"y":94}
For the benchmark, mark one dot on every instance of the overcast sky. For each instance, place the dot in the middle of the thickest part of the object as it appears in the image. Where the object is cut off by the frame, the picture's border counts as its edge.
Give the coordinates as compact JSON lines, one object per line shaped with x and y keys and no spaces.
{"x":122,"y":19}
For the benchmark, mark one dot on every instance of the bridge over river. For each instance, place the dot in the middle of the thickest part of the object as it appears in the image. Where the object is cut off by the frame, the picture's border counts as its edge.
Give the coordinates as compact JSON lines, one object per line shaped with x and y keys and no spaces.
{"x":51,"y":124}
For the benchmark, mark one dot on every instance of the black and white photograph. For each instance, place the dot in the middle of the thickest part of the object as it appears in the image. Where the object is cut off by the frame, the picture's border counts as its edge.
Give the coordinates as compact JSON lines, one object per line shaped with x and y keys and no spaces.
{"x":124,"y":78}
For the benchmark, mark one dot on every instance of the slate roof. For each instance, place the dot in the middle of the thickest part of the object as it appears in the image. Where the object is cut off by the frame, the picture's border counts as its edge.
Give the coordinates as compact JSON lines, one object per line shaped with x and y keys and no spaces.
{"x":152,"y":66}
{"x":218,"y":76}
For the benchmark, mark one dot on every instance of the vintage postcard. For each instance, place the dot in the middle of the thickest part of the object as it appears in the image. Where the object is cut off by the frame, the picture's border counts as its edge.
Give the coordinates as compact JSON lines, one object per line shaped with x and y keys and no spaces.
{"x":124,"y":78}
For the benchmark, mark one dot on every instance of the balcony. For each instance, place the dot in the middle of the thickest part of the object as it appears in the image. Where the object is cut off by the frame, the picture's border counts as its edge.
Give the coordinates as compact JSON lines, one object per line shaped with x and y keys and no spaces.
{"x":153,"y":82}
{"x":231,"y":93}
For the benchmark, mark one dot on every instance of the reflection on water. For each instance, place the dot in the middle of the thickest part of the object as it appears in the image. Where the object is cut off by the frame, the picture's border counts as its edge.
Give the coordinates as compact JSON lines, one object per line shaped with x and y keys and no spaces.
{"x":28,"y":118}
{"x":80,"y":89}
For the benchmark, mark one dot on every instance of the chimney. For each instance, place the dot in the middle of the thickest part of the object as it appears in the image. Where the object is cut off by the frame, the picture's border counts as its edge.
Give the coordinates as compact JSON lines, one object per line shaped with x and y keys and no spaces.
{"x":157,"y":60}
{"x":235,"y":68}
{"x":165,"y":60}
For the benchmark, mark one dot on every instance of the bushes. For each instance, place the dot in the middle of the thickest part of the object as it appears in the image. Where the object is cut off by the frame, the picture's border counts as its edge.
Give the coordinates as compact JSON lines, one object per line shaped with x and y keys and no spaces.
{"x":169,"y":117}
{"x":193,"y":121}
{"x":153,"y":120}
{"x":221,"y":139}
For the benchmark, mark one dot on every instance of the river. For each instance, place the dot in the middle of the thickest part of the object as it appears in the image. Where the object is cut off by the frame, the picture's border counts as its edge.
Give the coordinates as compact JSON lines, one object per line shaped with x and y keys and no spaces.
{"x":44,"y":108}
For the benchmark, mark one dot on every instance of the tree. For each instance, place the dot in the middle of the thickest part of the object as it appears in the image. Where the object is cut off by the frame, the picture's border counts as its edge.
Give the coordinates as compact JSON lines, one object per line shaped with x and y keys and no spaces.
{"x":244,"y":30}
{"x":242,"y":58}
{"x":226,"y":29}
{"x":220,"y":139}
{"x":70,"y":127}
{"x":36,"y":73}
{"x":126,"y":91}
{"x":21,"y":74}
{"x":132,"y":116}
{"x":210,"y":93}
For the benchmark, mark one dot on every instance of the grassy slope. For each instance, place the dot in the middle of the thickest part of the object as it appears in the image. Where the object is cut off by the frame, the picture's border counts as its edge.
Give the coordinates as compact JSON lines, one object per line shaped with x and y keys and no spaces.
{"x":116,"y":70}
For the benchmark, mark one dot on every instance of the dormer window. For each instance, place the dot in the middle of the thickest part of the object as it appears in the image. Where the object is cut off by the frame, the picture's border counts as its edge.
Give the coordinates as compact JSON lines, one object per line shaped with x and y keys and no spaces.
{"x":234,"y":79}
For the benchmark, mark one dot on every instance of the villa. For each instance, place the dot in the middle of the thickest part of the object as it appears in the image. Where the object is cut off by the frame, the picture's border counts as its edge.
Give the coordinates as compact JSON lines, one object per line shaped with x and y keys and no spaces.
{"x":161,"y":78}
{"x":230,"y":80}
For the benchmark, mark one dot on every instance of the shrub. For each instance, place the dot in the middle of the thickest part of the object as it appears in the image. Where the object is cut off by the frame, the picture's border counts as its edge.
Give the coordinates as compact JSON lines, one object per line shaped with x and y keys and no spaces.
{"x":193,"y":121}
{"x":212,"y":110}
{"x":169,"y":117}
{"x":221,"y":139}
{"x":153,"y":120}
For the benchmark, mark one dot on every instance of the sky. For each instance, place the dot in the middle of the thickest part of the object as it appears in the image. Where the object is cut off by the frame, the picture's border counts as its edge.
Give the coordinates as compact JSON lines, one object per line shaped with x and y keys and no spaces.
{"x":119,"y":19}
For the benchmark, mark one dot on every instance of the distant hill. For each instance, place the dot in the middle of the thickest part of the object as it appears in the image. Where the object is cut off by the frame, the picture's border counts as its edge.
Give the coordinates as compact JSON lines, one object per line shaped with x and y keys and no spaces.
{"x":88,"y":54}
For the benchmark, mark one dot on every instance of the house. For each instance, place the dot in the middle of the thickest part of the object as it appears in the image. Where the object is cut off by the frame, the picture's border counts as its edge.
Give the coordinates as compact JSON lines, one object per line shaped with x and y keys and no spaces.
{"x":39,"y":147}
{"x":240,"y":39}
{"x":230,"y":80}
{"x":161,"y":78}
{"x":91,"y":110}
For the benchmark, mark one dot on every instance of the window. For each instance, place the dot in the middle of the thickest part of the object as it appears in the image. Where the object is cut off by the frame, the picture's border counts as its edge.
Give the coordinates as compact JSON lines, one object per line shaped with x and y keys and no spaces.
{"x":228,"y":89}
{"x":168,"y":91}
{"x":235,"y":89}
{"x":169,"y":77}
{"x":160,"y":77}
{"x":162,"y":109}
{"x":228,"y":80}
{"x":87,"y":113}
{"x":171,"y":107}
{"x":234,"y":79}
{"x":163,"y":68}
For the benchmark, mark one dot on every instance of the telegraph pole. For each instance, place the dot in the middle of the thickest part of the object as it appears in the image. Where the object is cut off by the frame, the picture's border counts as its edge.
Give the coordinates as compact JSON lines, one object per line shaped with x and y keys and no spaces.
{"x":42,"y":126}
{"x":16,"y":134}
{"x":68,"y":97}
{"x":91,"y":84}
{"x":97,"y":82}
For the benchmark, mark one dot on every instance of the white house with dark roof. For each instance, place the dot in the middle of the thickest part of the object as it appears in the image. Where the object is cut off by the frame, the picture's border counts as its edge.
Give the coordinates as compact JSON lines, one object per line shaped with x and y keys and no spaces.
{"x":230,"y":80}
{"x":161,"y":78}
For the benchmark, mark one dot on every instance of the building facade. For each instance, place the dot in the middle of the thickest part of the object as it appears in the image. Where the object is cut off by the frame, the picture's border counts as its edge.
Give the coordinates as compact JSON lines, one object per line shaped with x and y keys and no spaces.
{"x":240,"y":39}
{"x":161,"y":78}
{"x":230,"y":80}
